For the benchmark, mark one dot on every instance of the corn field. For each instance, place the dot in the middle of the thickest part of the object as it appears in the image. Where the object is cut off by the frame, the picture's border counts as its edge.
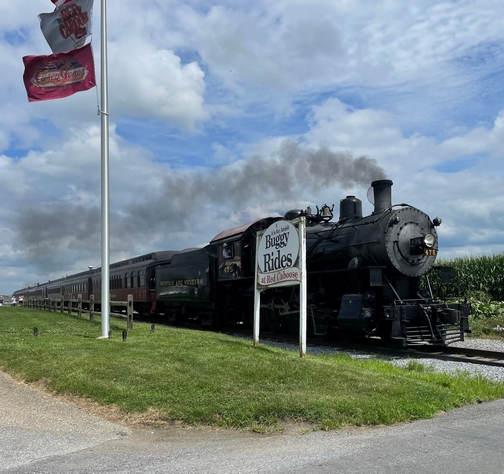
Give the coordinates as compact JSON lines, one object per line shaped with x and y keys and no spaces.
{"x":475,"y":275}
{"x":480,"y":279}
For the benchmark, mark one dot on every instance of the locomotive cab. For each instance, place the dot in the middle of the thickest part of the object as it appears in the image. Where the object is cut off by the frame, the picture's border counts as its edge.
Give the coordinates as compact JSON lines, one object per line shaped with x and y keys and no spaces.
{"x":236,"y":250}
{"x":236,"y":270}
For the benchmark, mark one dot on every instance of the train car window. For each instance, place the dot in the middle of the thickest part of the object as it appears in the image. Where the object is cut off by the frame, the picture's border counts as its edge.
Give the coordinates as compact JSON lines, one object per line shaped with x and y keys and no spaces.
{"x":133,"y":279}
{"x":227,"y":250}
{"x":141,"y":279}
{"x":126,"y":281}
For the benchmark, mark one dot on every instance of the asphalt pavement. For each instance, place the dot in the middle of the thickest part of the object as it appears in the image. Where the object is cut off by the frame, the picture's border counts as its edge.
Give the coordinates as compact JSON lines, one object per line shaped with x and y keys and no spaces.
{"x":42,"y":435}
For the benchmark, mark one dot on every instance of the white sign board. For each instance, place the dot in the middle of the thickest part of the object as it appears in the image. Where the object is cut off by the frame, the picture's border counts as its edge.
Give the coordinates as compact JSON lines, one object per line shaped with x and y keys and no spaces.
{"x":277,"y":255}
{"x":281,"y":261}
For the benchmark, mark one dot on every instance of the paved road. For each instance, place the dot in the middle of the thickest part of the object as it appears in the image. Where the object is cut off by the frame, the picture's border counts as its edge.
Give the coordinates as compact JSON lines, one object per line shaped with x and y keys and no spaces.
{"x":42,"y":435}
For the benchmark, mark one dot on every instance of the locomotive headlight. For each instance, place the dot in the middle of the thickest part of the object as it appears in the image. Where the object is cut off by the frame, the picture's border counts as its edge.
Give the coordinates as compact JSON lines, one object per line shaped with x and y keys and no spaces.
{"x":423,"y":245}
{"x":429,"y":240}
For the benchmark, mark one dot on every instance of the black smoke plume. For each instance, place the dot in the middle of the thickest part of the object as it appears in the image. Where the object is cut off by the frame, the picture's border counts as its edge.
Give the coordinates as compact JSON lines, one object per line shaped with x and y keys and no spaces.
{"x":52,"y":234}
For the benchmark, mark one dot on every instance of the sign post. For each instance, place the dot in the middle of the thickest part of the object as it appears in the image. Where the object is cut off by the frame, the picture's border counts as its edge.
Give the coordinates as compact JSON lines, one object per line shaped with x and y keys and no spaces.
{"x":280,"y":262}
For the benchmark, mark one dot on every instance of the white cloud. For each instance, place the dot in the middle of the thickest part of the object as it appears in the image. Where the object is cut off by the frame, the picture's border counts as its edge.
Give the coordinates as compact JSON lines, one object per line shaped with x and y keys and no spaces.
{"x":414,"y":86}
{"x":153,"y":83}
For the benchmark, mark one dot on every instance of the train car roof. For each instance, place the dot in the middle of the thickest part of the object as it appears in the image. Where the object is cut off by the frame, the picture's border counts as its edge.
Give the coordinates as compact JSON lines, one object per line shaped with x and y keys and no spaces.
{"x":259,"y":223}
{"x":156,"y":256}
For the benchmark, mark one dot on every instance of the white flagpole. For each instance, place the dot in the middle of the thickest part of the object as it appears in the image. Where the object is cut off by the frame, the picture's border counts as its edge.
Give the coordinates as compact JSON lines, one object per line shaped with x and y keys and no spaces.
{"x":105,"y":239}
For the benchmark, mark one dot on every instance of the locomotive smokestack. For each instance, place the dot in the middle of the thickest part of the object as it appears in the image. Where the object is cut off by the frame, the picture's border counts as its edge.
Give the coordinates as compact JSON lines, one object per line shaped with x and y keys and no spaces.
{"x":382,"y":195}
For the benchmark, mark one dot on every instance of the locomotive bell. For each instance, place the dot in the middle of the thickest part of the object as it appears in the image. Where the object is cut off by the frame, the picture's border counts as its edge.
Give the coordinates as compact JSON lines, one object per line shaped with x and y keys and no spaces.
{"x":382,"y":195}
{"x":326,"y":213}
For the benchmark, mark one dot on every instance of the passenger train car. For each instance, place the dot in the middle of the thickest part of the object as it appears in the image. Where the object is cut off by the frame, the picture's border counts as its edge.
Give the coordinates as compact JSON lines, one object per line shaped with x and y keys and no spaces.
{"x":135,"y":276}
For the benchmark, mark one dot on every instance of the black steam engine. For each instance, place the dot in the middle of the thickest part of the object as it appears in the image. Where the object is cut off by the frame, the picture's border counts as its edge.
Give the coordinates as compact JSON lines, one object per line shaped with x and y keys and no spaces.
{"x":367,"y":276}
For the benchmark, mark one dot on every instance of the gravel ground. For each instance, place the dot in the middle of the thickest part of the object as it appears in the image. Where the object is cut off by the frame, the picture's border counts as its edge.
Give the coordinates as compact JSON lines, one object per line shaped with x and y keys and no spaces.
{"x":493,"y":373}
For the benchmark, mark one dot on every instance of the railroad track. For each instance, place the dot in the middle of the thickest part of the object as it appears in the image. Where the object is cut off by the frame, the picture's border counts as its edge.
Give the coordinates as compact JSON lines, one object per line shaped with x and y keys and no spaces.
{"x":376,"y":346}
{"x":453,"y":354}
{"x":462,"y":354}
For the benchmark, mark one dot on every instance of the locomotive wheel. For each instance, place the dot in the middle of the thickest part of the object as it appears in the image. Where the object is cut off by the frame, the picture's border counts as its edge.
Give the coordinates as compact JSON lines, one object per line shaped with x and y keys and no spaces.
{"x":273,"y":317}
{"x":292,"y":324}
{"x":174,"y":318}
{"x":248,"y":318}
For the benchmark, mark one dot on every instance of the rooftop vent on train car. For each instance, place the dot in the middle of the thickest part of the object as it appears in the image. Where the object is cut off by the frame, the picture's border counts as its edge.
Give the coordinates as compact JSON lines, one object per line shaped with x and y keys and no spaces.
{"x":350,"y":208}
{"x":382,"y":195}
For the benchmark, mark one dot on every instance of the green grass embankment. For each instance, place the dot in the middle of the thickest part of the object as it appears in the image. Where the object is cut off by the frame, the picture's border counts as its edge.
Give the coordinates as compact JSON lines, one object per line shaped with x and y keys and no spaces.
{"x":204,"y":378}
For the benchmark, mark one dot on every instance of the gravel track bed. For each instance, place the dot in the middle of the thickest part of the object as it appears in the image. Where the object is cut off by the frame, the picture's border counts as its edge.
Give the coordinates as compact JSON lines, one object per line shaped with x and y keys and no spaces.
{"x":493,"y":373}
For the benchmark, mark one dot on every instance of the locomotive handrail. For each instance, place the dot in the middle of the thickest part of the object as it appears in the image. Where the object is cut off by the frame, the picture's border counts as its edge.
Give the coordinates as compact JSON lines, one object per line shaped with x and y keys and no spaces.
{"x":341,"y":270}
{"x":393,"y":289}
{"x":428,"y":321}
{"x":364,"y":243}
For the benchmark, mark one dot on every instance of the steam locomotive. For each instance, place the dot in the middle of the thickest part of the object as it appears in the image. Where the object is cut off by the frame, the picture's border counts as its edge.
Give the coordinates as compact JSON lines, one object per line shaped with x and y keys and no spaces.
{"x":367,"y":276}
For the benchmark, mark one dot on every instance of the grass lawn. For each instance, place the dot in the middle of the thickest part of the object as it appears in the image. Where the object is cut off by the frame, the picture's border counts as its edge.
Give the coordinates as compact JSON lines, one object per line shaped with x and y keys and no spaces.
{"x":204,"y":378}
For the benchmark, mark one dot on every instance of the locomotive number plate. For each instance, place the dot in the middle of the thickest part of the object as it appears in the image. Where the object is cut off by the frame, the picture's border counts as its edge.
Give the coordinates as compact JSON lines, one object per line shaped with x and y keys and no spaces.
{"x":431,"y":252}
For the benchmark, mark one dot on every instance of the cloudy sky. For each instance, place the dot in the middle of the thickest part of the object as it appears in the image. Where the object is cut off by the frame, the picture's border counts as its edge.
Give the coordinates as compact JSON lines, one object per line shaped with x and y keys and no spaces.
{"x":225,"y":111}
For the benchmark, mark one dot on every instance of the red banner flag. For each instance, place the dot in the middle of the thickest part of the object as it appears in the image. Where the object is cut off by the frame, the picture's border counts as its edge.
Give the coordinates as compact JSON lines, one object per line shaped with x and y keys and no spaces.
{"x":59,"y":75}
